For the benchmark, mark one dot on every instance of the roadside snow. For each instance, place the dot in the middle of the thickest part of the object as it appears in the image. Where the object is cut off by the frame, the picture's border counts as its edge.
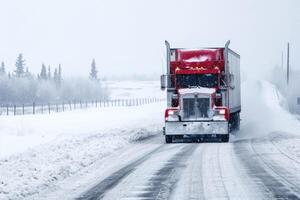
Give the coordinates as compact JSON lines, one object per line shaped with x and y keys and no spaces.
{"x":39,"y":150}
{"x":263,"y":111}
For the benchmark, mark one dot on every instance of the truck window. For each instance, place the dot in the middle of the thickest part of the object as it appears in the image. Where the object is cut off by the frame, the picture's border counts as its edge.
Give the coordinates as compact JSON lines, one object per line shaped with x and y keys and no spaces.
{"x":197,"y":80}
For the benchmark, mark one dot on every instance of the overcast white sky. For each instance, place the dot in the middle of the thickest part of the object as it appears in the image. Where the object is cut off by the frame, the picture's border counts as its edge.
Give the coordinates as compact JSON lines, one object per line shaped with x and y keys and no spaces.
{"x":127,"y":36}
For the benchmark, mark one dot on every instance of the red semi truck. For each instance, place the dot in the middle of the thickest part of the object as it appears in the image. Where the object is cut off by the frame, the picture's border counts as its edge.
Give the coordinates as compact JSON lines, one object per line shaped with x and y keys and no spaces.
{"x":203,"y":93}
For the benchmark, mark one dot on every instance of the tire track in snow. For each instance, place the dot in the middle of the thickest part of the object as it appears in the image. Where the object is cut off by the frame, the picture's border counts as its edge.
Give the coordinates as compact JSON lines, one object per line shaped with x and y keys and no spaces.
{"x":162,"y":183}
{"x":196,"y":186}
{"x":221,"y":173}
{"x":98,"y":191}
{"x":190,"y":184}
{"x":275,"y":184}
{"x":213,"y":180}
{"x":282,"y":174}
{"x":283,"y":152}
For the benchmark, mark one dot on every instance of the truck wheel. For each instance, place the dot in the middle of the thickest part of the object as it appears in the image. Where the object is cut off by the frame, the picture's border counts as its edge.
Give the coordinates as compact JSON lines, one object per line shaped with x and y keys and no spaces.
{"x":169,"y":138}
{"x":225,"y":138}
{"x":238,"y":122}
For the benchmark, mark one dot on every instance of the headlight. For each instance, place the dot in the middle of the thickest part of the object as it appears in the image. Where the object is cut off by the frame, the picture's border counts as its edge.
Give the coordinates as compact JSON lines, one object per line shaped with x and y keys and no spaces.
{"x":222,"y":112}
{"x":171,"y":115}
{"x":171,"y":112}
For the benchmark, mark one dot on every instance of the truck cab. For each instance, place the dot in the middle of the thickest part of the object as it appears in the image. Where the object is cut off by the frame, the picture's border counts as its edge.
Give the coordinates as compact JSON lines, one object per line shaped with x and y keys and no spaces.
{"x":203,"y":93}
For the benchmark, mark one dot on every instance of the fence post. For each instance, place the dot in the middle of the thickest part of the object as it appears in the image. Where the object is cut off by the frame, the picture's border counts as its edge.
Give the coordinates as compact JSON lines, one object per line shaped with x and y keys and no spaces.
{"x":33,"y":108}
{"x":14,"y":109}
{"x":7,"y":110}
{"x":56,"y":107}
{"x":23,"y":109}
{"x":63,"y":106}
{"x":49,"y":108}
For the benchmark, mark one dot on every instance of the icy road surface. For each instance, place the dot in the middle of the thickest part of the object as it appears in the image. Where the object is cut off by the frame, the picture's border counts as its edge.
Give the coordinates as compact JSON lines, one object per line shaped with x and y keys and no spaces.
{"x":264,"y":168}
{"x":119,"y":153}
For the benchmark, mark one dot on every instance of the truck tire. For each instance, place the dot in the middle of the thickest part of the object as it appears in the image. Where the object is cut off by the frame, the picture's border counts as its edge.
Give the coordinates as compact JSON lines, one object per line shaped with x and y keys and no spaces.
{"x":225,"y":138}
{"x":169,"y":139}
{"x":238,"y":122}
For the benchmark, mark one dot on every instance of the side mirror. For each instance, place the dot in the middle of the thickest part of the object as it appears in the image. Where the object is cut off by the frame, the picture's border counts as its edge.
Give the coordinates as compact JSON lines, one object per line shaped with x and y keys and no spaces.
{"x":163,"y":82}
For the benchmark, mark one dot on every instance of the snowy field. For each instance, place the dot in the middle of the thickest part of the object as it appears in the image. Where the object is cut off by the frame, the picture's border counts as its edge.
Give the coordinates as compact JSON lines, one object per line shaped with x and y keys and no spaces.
{"x":119,"y":153}
{"x":135,"y":89}
{"x":36,"y":151}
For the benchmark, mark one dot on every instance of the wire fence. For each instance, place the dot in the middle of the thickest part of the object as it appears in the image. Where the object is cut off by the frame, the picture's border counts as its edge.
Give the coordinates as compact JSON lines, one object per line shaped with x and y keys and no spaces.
{"x":48,"y":108}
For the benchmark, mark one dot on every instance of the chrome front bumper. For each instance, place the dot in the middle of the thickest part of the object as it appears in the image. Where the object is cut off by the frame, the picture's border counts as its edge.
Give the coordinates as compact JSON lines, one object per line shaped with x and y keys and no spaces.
{"x":197,"y":128}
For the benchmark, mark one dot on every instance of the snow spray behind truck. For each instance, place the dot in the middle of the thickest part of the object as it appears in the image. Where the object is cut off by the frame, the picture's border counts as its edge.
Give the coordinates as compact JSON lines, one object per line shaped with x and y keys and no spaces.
{"x":203,"y":92}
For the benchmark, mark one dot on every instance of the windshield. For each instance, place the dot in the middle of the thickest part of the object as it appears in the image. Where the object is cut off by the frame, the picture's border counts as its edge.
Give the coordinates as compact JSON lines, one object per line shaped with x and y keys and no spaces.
{"x":197,"y":80}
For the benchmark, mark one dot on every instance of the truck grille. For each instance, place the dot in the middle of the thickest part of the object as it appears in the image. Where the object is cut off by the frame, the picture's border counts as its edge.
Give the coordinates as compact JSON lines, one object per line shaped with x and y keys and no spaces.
{"x":195,"y":108}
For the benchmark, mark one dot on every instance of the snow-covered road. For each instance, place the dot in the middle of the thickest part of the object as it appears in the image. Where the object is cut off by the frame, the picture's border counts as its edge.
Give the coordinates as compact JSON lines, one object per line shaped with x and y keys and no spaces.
{"x":263,"y":168}
{"x":73,"y":156}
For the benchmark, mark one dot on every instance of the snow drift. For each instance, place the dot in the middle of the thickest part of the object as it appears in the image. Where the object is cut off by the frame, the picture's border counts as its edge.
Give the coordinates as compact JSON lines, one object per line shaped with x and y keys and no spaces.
{"x":54,"y":147}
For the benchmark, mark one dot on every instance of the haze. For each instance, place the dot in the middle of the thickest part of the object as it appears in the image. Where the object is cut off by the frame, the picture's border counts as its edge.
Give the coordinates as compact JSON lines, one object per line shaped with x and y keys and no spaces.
{"x":127,"y":37}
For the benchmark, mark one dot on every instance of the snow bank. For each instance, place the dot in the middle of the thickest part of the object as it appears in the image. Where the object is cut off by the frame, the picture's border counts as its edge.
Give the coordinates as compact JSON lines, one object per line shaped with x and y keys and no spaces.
{"x":39,"y":150}
{"x":263,"y":111}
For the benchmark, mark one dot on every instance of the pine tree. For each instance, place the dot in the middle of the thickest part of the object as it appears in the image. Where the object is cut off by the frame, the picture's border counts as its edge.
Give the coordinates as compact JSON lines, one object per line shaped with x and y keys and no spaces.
{"x":43,"y":74}
{"x":27,"y":73}
{"x":2,"y":69}
{"x":55,"y":77}
{"x":58,"y":76}
{"x":20,"y":64}
{"x":49,"y":73}
{"x":59,"y":72}
{"x":94,"y":72}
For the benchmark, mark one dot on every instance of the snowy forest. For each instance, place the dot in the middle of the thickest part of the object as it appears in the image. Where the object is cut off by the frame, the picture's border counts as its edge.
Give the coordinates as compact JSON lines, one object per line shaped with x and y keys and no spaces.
{"x":49,"y":85}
